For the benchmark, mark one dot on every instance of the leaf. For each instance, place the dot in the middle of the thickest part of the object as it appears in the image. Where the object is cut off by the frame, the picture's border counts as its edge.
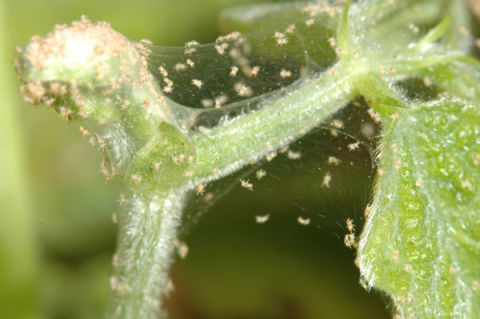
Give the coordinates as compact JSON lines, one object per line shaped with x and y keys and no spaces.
{"x":421,"y":242}
{"x":459,"y":78}
{"x":460,"y":35}
{"x":307,"y":27}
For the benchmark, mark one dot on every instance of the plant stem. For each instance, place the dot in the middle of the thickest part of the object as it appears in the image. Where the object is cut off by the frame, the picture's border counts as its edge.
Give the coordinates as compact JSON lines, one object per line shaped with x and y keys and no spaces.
{"x":254,"y":135}
{"x":147,"y":232}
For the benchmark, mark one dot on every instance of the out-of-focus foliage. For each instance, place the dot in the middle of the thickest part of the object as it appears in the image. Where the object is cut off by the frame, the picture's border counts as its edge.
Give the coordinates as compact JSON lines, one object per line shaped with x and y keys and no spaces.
{"x":18,"y":265}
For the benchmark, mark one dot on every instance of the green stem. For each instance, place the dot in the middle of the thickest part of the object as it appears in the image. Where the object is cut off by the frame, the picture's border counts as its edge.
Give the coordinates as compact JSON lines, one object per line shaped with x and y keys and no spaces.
{"x":147,"y":232}
{"x":144,"y":255}
{"x":254,"y":135}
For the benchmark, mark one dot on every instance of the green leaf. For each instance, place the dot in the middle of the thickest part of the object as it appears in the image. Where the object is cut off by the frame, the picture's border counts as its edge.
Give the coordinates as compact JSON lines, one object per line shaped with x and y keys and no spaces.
{"x":278,"y":16}
{"x":306,"y":26}
{"x":393,"y":23}
{"x":421,"y":242}
{"x":460,"y":34}
{"x":459,"y":78}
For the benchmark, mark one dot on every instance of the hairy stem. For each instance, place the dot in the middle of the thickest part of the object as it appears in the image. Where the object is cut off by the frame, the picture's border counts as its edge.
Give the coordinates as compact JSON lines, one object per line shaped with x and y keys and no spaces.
{"x":145,"y":246}
{"x":251,"y":137}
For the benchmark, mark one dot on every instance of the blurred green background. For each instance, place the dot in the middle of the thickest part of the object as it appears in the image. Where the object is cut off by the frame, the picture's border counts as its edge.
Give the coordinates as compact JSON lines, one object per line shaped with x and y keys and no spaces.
{"x":56,"y":232}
